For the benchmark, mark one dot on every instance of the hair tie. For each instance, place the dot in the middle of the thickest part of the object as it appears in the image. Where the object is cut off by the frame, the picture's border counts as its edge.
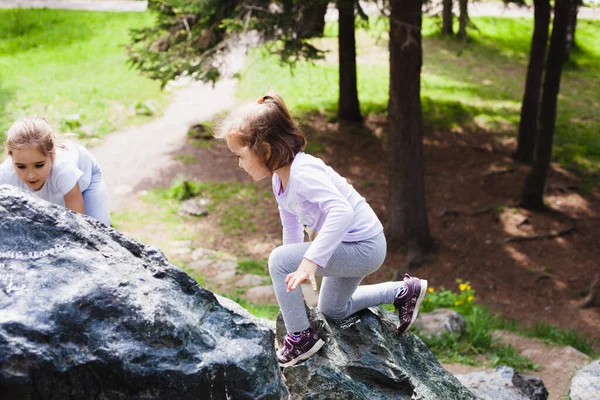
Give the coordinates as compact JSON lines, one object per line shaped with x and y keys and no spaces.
{"x":262,"y":99}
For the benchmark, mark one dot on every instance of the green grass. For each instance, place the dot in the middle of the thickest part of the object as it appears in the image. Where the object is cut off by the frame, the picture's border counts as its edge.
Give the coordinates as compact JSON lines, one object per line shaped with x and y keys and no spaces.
{"x":70,"y":66}
{"x":480,"y":324}
{"x":476,"y":86}
{"x":558,"y":337}
{"x":233,"y":201}
{"x":186,"y":158}
{"x":256,"y":267}
{"x":166,"y":217}
{"x":267,"y":311}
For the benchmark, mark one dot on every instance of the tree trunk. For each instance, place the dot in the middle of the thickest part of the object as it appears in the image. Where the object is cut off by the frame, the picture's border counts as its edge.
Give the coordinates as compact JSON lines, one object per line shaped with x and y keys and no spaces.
{"x":348,"y":107}
{"x":535,"y":182}
{"x":447,"y":17}
{"x":593,"y":297}
{"x":572,"y":27}
{"x":313,"y":19}
{"x":533,"y":82}
{"x":408,"y":223}
{"x":463,"y":18}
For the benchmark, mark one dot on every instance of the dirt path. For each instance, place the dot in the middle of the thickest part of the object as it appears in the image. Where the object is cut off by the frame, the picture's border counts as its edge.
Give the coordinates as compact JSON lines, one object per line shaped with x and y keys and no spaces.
{"x":139,"y":157}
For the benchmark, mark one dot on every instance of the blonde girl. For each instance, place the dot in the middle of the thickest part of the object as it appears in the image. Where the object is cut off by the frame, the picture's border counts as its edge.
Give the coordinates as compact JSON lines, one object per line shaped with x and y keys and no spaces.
{"x":65,"y":174}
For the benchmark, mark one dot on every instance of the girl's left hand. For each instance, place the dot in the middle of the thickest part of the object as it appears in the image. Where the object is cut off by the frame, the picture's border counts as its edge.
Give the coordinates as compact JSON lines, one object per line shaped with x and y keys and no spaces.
{"x":306,"y":270}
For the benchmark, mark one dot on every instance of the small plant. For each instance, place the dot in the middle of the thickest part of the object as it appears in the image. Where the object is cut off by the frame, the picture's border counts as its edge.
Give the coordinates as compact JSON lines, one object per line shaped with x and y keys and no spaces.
{"x":182,"y":190}
{"x":146,"y":107}
{"x":462,"y":302}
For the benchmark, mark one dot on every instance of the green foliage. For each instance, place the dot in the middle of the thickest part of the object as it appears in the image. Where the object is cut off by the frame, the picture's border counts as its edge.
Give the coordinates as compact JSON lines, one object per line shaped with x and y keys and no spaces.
{"x":462,"y":301}
{"x":190,"y":37}
{"x":70,"y":67}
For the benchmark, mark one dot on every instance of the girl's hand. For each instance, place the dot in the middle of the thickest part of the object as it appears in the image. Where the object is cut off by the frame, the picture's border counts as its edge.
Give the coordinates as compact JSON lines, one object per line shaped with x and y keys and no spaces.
{"x":306,"y":270}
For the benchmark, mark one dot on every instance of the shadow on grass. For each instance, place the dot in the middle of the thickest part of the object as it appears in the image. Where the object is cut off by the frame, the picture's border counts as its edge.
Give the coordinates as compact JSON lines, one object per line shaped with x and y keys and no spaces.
{"x":437,"y":114}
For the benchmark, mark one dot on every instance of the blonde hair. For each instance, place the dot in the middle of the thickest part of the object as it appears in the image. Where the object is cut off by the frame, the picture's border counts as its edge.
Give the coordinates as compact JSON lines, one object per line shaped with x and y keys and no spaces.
{"x":267,"y":128}
{"x":31,"y":131}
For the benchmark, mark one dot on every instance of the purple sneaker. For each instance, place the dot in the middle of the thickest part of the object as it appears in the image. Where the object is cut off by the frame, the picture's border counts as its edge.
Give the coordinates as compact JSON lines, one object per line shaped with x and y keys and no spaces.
{"x":408,"y":301}
{"x":294,"y":351}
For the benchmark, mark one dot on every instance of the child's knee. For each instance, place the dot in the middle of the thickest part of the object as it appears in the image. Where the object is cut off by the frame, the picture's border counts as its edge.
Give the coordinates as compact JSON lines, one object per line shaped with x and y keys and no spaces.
{"x":333,"y":313}
{"x":277,"y":261}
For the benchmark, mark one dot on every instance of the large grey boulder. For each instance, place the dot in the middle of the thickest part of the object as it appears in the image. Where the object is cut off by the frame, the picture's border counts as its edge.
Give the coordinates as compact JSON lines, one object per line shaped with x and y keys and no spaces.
{"x":364,"y":357}
{"x":440,"y":320}
{"x":586,"y":382}
{"x":504,"y":383}
{"x":87,"y":313}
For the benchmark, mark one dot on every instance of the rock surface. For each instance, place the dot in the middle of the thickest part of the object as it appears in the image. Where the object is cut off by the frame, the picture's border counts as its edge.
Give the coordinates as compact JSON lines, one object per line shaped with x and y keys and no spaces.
{"x":89,"y":313}
{"x":364,"y":357}
{"x":438,"y":321}
{"x":559,"y":363}
{"x":504,"y":383}
{"x":586,"y":382}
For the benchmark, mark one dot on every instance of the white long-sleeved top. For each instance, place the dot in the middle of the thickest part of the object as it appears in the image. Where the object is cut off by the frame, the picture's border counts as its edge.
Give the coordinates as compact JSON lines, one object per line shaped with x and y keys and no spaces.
{"x":319,"y":199}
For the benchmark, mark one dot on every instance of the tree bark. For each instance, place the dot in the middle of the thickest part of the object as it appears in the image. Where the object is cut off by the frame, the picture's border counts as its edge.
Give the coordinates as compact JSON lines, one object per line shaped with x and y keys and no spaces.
{"x":313,"y":19}
{"x":408,"y":222}
{"x":463,"y":18}
{"x":447,"y":18}
{"x":535,"y":182}
{"x":572,"y":27}
{"x":348,"y":106}
{"x":533,"y":82}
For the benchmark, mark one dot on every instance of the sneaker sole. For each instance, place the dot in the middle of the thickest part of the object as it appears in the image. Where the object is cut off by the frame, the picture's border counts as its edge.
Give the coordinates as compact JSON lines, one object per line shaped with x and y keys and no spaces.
{"x":304,"y":356}
{"x":423,"y":283}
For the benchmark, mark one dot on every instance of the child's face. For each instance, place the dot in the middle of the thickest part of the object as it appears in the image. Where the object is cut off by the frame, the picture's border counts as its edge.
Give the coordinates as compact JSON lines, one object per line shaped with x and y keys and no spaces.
{"x":32,"y":166}
{"x":248,"y":160}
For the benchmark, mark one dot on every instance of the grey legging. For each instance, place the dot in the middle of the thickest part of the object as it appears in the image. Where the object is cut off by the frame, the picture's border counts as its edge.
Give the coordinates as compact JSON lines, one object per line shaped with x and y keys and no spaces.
{"x":95,"y":198}
{"x":340,"y":294}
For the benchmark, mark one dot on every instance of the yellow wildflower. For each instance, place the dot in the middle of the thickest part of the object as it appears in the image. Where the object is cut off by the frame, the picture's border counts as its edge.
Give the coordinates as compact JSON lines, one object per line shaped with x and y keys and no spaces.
{"x":470,"y":299}
{"x":462,"y":287}
{"x":458,"y":303}
{"x":430,"y":290}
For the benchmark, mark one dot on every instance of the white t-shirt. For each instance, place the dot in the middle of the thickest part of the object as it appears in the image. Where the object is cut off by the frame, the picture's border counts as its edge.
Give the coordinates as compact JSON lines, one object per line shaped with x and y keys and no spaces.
{"x":73,"y":164}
